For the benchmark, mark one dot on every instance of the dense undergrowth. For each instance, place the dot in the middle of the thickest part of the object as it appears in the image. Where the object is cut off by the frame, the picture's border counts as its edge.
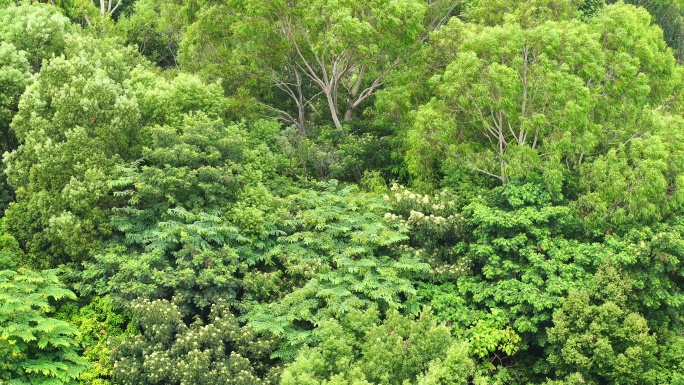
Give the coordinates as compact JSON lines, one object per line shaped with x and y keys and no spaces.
{"x":342,"y":192}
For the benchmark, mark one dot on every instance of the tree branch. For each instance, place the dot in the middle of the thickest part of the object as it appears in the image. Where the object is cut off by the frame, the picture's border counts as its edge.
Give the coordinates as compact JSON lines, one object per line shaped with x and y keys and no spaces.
{"x":499,"y":177}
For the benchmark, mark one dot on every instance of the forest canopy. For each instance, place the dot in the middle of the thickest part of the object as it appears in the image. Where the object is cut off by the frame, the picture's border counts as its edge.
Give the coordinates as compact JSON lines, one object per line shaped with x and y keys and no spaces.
{"x":308,"y":192}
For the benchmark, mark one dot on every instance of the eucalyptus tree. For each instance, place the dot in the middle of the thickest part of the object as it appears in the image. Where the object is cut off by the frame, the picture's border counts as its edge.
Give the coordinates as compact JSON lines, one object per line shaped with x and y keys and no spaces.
{"x":328,"y":59}
{"x":345,"y":49}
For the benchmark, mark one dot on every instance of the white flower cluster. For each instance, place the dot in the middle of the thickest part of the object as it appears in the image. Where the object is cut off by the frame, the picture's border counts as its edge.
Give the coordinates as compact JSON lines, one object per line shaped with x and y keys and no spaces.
{"x":409,"y":196}
{"x":452,"y":270}
{"x":419,"y":217}
{"x":418,"y":209}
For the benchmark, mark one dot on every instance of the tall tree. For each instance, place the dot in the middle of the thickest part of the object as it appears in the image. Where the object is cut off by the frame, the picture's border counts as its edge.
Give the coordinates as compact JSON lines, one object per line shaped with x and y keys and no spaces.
{"x":15,"y":75}
{"x":344,"y":48}
{"x":554,"y":101}
{"x":90,"y":112}
{"x":328,"y":59}
{"x":40,"y":30}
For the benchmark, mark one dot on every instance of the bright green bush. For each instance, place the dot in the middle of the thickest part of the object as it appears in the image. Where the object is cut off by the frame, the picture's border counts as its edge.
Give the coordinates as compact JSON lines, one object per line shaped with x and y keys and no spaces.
{"x":35,"y":347}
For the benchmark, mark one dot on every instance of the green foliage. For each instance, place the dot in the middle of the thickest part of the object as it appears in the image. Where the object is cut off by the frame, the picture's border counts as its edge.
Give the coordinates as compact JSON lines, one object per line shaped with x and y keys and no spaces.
{"x":667,"y":14}
{"x":177,"y":221}
{"x":505,"y":100}
{"x":169,"y":157}
{"x":596,"y":338}
{"x":455,"y":368}
{"x":339,"y":255}
{"x":36,"y":348}
{"x":165,"y":100}
{"x":15,"y":76}
{"x":37,"y":29}
{"x":589,"y":8}
{"x":188,"y":255}
{"x":91,"y":112}
{"x":500,"y":264}
{"x":519,"y":257}
{"x":213,"y":350}
{"x":504,"y":264}
{"x":156,"y":28}
{"x":196,"y":165}
{"x":567,"y":102}
{"x":74,"y":125}
{"x":672,"y":358}
{"x":358,"y":349}
{"x":193,"y":205}
{"x":10,"y":253}
{"x":325,"y":59}
{"x":97,"y":322}
{"x":652,"y":258}
{"x":527,"y":13}
{"x":227,"y":23}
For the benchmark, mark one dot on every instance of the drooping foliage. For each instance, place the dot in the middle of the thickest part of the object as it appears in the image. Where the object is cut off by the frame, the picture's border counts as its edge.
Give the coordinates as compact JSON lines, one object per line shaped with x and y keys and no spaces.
{"x":338,"y":255}
{"x":36,"y":347}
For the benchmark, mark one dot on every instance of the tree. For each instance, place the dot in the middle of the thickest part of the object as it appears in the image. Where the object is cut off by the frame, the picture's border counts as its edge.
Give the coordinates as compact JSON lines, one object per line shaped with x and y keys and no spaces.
{"x":98,"y":321}
{"x":597,"y":339}
{"x":505,"y":88}
{"x":345,"y":50}
{"x":73,"y":126}
{"x":555,"y":101}
{"x":36,"y":347}
{"x":358,"y":349}
{"x":501,"y":263}
{"x":37,"y":29}
{"x":15,"y":76}
{"x":667,"y":14}
{"x":636,"y":183}
{"x":213,"y":351}
{"x":182,"y":237}
{"x":193,"y":212}
{"x":337,"y":255}
{"x":89,"y":113}
{"x":156,"y":28}
{"x":215,"y":45}
{"x":332,"y":56}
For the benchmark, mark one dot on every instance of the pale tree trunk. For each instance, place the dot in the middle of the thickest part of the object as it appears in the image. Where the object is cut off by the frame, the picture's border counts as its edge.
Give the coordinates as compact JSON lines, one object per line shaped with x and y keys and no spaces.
{"x":107,"y":8}
{"x":494,"y":132}
{"x":328,"y":74}
{"x":333,"y":109}
{"x":294,"y":91}
{"x":329,"y":70}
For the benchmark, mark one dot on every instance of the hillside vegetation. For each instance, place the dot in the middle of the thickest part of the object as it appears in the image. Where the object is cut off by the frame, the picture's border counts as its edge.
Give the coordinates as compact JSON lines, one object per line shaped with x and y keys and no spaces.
{"x":342,"y":192}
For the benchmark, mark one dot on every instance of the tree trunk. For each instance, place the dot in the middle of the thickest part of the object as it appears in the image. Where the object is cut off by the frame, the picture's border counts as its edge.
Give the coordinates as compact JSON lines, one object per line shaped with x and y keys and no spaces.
{"x":333,"y":109}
